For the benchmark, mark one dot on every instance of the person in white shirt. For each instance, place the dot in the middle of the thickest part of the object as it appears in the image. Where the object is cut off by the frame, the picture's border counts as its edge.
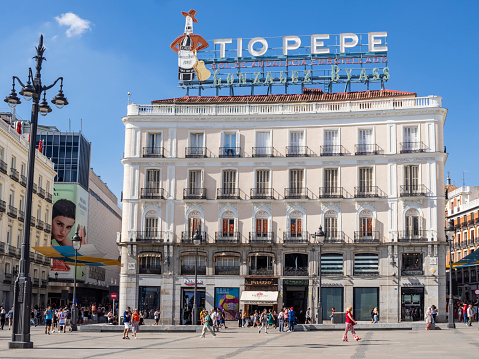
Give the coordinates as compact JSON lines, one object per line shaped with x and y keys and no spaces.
{"x":214,"y":318}
{"x":470,"y":315}
{"x":157,"y":316}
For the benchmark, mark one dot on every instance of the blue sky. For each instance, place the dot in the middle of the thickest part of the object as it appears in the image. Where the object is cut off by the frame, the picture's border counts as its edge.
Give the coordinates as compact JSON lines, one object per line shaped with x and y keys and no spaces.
{"x":116,"y":47}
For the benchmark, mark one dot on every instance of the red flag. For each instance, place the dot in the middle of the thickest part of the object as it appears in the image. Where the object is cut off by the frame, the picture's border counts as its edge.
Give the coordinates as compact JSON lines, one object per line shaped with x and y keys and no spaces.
{"x":19,"y":127}
{"x":40,"y":146}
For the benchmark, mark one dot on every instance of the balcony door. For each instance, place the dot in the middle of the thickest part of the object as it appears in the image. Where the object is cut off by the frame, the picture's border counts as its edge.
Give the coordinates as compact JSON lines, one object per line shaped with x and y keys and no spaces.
{"x":410,"y":138}
{"x":196,"y":143}
{"x":331,"y":224}
{"x":366,"y":224}
{"x":262,"y":182}
{"x":296,"y":181}
{"x":230,"y":144}
{"x":296,"y":142}
{"x":154,"y":143}
{"x":411,"y":178}
{"x":412,"y":223}
{"x":295,"y":224}
{"x":194,"y":223}
{"x":195,"y":182}
{"x":151,"y":227}
{"x":331,"y":141}
{"x":261,"y":224}
{"x":330,"y":180}
{"x":153,"y":179}
{"x":365,"y":180}
{"x":229,"y":182}
{"x":365,"y":140}
{"x":228,"y":224}
{"x":263,"y":144}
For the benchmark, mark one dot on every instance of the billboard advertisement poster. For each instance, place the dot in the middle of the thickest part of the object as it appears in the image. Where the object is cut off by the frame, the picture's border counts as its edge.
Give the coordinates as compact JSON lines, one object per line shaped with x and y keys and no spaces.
{"x":227,"y":299}
{"x":70,"y":212}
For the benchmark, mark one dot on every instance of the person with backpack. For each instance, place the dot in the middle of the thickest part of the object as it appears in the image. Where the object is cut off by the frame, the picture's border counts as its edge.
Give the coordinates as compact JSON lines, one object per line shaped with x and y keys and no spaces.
{"x":292,"y":320}
{"x":68,"y":320}
{"x":264,"y":322}
{"x":208,"y":324}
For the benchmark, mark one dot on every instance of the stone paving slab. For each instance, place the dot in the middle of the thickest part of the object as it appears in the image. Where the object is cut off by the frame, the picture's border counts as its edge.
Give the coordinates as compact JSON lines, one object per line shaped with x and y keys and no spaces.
{"x":234,"y":342}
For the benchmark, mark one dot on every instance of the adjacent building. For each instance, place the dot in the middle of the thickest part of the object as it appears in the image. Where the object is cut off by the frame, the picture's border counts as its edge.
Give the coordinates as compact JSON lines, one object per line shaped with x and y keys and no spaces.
{"x":14,"y":149}
{"x":257,"y":176}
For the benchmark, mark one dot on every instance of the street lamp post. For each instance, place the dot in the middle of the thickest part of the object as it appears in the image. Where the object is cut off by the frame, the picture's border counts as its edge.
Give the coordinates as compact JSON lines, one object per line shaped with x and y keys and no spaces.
{"x":32,"y":90}
{"x":196,"y":241}
{"x":449,"y":231}
{"x":76,"y":244}
{"x":319,"y":235}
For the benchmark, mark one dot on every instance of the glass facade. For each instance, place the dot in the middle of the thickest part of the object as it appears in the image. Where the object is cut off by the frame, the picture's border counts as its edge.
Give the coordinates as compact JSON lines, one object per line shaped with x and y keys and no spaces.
{"x":332,"y":297}
{"x":365,"y":300}
{"x":149,"y":299}
{"x":71,"y":154}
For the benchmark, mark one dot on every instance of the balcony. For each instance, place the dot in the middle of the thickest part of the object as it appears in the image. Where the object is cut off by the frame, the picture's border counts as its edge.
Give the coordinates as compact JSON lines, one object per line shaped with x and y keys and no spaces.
{"x":368,"y":192}
{"x":197,"y":152}
{"x":228,"y":193}
{"x":476,"y":221}
{"x":3,"y":206}
{"x":366,"y":149}
{"x":412,"y":147}
{"x":457,"y":226}
{"x":227,"y":238}
{"x":21,"y":215}
{"x":336,"y":237}
{"x":8,"y":278}
{"x":148,"y":270}
{"x":158,"y":152}
{"x":295,"y":238}
{"x":262,"y":193}
{"x":3,"y":167}
{"x":366,"y":237}
{"x":413,"y":191}
{"x":188,"y":238}
{"x":298,"y":193}
{"x":14,"y":174}
{"x":40,"y":224}
{"x":418,"y":236}
{"x":228,"y":270}
{"x":470,"y":222}
{"x":332,"y":192}
{"x":463,"y":224}
{"x":152,"y":236}
{"x":49,"y":197}
{"x":41,"y":192}
{"x":190,"y":270}
{"x":261,"y":238}
{"x":194,"y":193}
{"x":261,"y":271}
{"x":296,"y":271}
{"x":23,"y":180}
{"x":12,"y":212}
{"x":333,"y":150}
{"x":36,"y":282}
{"x":299,"y":151}
{"x":48,"y":228}
{"x":265,"y":152}
{"x":34,"y":189}
{"x":33,"y":221}
{"x":152,"y":193}
{"x":230,"y":152}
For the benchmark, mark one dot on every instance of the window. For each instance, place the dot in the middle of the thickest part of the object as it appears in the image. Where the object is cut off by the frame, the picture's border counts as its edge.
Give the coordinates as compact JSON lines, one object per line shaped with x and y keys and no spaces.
{"x":47,"y":188}
{"x":35,"y":273}
{"x":262,"y":185}
{"x":366,"y":264}
{"x":261,"y":264}
{"x":44,"y":275}
{"x":295,"y":224}
{"x":331,"y":264}
{"x":296,"y":264}
{"x":412,"y":223}
{"x":365,"y":179}
{"x":47,"y":216}
{"x":153,"y":179}
{"x":229,"y":182}
{"x":195,"y":180}
{"x":331,"y":181}
{"x":196,"y":141}
{"x":194,"y":223}
{"x":21,"y":205}
{"x":151,"y":227}
{"x":23,"y":169}
{"x":19,"y":237}
{"x":40,"y":182}
{"x":9,"y":235}
{"x":149,"y":263}
{"x":412,"y":264}
{"x":227,"y":262}
{"x":39,"y":213}
{"x":331,"y":142}
{"x":365,"y":142}
{"x":2,"y":154}
{"x":228,"y":224}
{"x":296,"y":181}
{"x":231,"y":147}
{"x":366,"y":224}
{"x":263,"y":144}
{"x":331,"y":224}
{"x":411,"y":178}
{"x":410,"y":139}
{"x":189,"y":261}
{"x":14,"y":162}
{"x":154,"y":142}
{"x":261,"y":224}
{"x":296,"y":143}
{"x":11,"y":199}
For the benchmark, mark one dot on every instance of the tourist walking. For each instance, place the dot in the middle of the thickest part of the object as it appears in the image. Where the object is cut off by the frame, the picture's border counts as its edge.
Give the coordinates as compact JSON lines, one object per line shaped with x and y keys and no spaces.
{"x":332,"y":315}
{"x":62,"y":318}
{"x":434,"y":313}
{"x":292,"y":319}
{"x":464,"y":313}
{"x":429,"y":318}
{"x":207,"y":325}
{"x":350,"y":323}
{"x":240,"y":318}
{"x":271,"y":319}
{"x":3,"y":315}
{"x":470,"y":315}
{"x":135,"y":323}
{"x":281,"y":321}
{"x":308,"y":316}
{"x":156,"y":315}
{"x":222,"y":317}
{"x":10,"y":319}
{"x":126,"y":321}
{"x":264,"y":322}
{"x":245,"y":315}
{"x":375,"y":315}
{"x":48,"y":320}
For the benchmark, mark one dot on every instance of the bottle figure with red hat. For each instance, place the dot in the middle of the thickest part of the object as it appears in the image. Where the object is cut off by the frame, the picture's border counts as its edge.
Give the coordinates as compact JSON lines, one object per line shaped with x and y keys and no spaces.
{"x":186,"y":46}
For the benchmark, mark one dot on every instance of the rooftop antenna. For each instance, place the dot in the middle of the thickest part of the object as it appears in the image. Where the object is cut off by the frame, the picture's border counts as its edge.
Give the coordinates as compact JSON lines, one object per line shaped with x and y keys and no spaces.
{"x":129,"y":94}
{"x":69,"y":125}
{"x":448,"y":179}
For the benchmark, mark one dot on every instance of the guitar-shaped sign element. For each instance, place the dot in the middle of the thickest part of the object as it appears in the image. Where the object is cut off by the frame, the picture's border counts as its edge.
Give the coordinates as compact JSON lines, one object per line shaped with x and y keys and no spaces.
{"x":202,"y":73}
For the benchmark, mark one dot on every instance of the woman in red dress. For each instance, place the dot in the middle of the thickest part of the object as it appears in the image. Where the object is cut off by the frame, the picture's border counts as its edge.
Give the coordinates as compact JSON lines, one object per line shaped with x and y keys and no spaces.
{"x":350,"y":322}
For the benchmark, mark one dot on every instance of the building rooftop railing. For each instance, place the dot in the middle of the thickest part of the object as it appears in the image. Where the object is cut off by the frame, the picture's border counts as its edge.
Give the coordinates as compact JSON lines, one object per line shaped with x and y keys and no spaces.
{"x":282,"y":108}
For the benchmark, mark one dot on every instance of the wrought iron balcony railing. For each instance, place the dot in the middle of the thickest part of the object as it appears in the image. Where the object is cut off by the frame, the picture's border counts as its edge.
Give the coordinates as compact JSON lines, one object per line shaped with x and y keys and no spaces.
{"x":12,"y":211}
{"x":149,"y":236}
{"x":194,"y":193}
{"x":334,"y":237}
{"x":295,"y":271}
{"x":21,"y":215}
{"x":413,"y":190}
{"x":470,"y":222}
{"x":187,"y":238}
{"x":464,"y":224}
{"x":197,"y":152}
{"x":230,"y":152}
{"x":33,"y":221}
{"x":190,"y":270}
{"x":152,"y":193}
{"x":149,"y":270}
{"x":34,"y":188}
{"x":23,"y":180}
{"x":412,"y":147}
{"x":332,"y":192}
{"x":3,"y":205}
{"x":228,"y":193}
{"x":262,"y":193}
{"x":48,"y":228}
{"x":366,"y":149}
{"x":295,"y":238}
{"x":366,"y":237}
{"x":227,"y":270}
{"x":227,"y":238}
{"x":41,"y":192}
{"x":415,"y":236}
{"x":299,"y":151}
{"x":261,"y":271}
{"x":298,"y":193}
{"x":153,"y":152}
{"x":333,"y":150}
{"x":40,"y":224}
{"x":3,"y":167}
{"x":49,"y":197}
{"x":265,"y":152}
{"x":368,"y":192}
{"x":261,"y":238}
{"x":14,"y":174}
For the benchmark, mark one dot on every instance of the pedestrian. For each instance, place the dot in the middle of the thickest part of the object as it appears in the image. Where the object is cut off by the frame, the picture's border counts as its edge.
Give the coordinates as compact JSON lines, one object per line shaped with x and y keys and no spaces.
{"x":429,"y":318}
{"x":62,"y":321}
{"x":264,"y":322}
{"x":214,"y":320}
{"x":292,"y":319}
{"x":434,"y":313}
{"x":126,"y":321}
{"x":286,"y":317}
{"x":375,"y":315}
{"x":332,"y":315}
{"x":68,"y":320}
{"x":308,"y":316}
{"x":142,"y":317}
{"x":350,"y":323}
{"x":240,"y":319}
{"x":48,"y":320}
{"x":281,"y":321}
{"x":223,"y":319}
{"x":464,"y":313}
{"x":135,"y":323}
{"x":470,"y":315}
{"x":156,"y":315}
{"x":10,"y":319}
{"x":208,"y":324}
{"x":3,"y":316}
{"x":270,"y":319}
{"x":245,"y":315}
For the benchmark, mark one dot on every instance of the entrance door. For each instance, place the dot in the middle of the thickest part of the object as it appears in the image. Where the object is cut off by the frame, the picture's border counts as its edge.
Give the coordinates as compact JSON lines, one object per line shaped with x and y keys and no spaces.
{"x":297,"y":297}
{"x":412,"y":304}
{"x":149,"y":299}
{"x":365,"y":300}
{"x":187,"y":304}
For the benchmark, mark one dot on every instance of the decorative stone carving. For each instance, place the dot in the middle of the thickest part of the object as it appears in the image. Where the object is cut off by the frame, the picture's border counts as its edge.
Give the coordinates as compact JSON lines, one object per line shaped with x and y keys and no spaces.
{"x":229,"y":163}
{"x":261,"y":207}
{"x":362,"y":205}
{"x":296,"y":206}
{"x":222,"y":207}
{"x":330,"y":162}
{"x":365,"y":161}
{"x":195,"y":163}
{"x":331,"y":206}
{"x":296,"y":163}
{"x":262,"y":163}
{"x":200,"y":207}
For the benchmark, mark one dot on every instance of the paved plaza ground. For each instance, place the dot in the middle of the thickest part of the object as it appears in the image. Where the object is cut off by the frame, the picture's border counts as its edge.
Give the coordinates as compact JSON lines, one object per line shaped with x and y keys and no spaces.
{"x":462,"y":342}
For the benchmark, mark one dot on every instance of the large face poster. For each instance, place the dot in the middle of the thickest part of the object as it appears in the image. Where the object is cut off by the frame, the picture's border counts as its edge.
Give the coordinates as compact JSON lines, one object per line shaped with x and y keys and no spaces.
{"x":70,"y":212}
{"x":227,"y":299}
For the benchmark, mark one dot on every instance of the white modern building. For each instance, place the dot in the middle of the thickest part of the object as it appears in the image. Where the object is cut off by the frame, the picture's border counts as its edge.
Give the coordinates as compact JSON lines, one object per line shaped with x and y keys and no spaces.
{"x":257,"y":176}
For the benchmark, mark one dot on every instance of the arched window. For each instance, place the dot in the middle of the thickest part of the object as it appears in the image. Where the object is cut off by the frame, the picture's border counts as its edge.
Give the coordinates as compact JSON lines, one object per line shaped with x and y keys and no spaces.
{"x":228,"y":222}
{"x":188,"y":264}
{"x":194,"y":223}
{"x":151,"y":226}
{"x":262,"y":228}
{"x":331,"y":224}
{"x":366,"y":224}
{"x":149,"y":263}
{"x":412,"y":223}
{"x":295,"y":224}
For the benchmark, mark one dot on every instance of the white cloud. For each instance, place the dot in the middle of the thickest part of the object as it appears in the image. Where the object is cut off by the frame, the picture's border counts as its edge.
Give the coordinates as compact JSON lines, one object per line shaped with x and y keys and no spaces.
{"x":76,"y":25}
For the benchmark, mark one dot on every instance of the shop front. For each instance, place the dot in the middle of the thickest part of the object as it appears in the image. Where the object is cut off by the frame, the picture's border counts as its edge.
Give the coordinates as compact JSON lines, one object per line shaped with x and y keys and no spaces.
{"x":412,"y":304}
{"x":296,"y":296}
{"x":227,"y":299}
{"x":365,"y":299}
{"x":332,"y":297}
{"x":149,"y":300}
{"x":260,"y":293}
{"x":187,"y":300}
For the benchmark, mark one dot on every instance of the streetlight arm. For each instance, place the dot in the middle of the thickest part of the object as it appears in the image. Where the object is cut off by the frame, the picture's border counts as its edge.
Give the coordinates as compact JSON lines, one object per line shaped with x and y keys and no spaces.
{"x":19,"y":81}
{"x":45,"y":88}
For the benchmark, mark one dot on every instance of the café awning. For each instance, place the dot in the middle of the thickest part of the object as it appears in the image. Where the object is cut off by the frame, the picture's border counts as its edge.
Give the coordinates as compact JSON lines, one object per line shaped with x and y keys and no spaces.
{"x":259,"y":297}
{"x":469,"y":260}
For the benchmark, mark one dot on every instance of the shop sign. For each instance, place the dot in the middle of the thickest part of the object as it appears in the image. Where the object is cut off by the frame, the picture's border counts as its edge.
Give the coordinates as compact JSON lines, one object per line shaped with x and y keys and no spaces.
{"x":261,"y":282}
{"x":192,"y":282}
{"x":296,"y":282}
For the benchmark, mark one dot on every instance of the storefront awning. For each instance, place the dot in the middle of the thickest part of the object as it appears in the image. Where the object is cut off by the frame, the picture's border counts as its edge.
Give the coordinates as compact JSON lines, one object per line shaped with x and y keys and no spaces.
{"x":469,"y":260}
{"x":259,"y":297}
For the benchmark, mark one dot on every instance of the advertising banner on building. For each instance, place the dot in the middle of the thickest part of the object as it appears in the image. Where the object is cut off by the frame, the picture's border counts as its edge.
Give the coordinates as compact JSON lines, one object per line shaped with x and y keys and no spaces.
{"x":227,"y":299}
{"x":70,"y":212}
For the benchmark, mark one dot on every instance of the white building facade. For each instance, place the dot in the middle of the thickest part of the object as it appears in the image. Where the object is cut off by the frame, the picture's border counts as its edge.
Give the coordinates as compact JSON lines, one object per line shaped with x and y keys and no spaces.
{"x":257,"y":176}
